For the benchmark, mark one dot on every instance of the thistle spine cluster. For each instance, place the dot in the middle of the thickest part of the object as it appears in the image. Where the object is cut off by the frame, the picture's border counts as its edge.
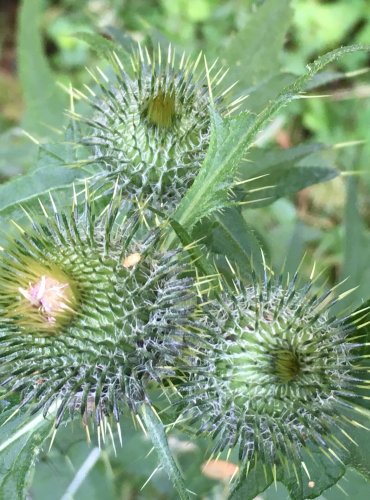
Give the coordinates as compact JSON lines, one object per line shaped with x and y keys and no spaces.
{"x":91,"y":313}
{"x":150,"y":126}
{"x":279,"y":378}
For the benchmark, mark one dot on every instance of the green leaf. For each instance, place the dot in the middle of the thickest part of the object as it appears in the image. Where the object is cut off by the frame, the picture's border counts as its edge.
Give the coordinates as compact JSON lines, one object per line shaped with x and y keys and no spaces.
{"x":324,"y":471}
{"x":359,"y":458}
{"x":20,"y":442}
{"x":352,"y":485}
{"x":210,"y":189}
{"x":262,"y":159}
{"x":82,"y":474}
{"x":104,"y":47}
{"x":261,"y":41}
{"x":227,"y":234}
{"x":355,"y":269}
{"x":49,"y":173}
{"x":195,"y":251}
{"x":44,"y":101}
{"x":231,"y":138}
{"x":18,"y":153}
{"x":291,"y":91}
{"x":267,"y":90}
{"x":157,"y":435}
{"x":281,"y":172}
{"x":249,"y":485}
{"x":32,"y":186}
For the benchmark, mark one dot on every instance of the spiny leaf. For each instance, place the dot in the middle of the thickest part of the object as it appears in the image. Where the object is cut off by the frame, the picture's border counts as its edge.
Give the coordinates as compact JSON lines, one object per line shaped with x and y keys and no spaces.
{"x":210,"y":189}
{"x":158,"y":437}
{"x":281,"y":172}
{"x":231,"y":138}
{"x":227,"y":234}
{"x":35,"y":184}
{"x":251,"y":483}
{"x":195,"y":251}
{"x":292,"y":90}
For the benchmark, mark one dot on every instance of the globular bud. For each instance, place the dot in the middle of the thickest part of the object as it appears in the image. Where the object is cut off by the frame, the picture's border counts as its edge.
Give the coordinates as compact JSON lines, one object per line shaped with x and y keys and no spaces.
{"x":151,"y":126}
{"x":91,"y":312}
{"x":280,"y":377}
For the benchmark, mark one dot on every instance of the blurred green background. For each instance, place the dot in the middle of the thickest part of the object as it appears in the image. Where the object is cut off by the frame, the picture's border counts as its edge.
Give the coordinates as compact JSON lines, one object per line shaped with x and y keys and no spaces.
{"x":330,"y":222}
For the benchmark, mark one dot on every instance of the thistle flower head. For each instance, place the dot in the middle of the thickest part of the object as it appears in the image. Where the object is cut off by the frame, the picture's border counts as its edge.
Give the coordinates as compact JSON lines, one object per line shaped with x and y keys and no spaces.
{"x":46,"y":297}
{"x":151,"y":126}
{"x":279,"y":378}
{"x":90,"y":311}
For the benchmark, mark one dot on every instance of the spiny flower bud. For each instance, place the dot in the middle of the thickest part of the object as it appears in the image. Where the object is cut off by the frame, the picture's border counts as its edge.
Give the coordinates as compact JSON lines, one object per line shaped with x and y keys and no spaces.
{"x":279,"y":378}
{"x":151,"y":127}
{"x":90,"y":312}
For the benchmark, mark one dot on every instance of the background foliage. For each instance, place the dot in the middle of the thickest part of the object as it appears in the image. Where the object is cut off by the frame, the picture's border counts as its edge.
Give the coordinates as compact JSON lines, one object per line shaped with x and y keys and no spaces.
{"x":329,"y":222}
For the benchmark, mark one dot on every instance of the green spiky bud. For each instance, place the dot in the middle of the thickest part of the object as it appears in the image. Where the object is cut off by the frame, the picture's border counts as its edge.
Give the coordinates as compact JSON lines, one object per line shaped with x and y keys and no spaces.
{"x":90,"y":312}
{"x":279,"y":378}
{"x":151,"y":127}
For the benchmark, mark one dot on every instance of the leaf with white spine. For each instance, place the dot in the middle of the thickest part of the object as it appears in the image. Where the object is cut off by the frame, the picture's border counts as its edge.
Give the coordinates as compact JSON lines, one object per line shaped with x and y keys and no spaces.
{"x":32,"y":186}
{"x":231,"y":138}
{"x":158,"y":437}
{"x":282,"y":172}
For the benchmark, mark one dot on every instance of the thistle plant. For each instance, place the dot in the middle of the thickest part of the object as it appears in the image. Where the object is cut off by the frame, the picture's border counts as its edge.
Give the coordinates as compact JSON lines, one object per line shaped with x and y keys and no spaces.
{"x":91,"y":313}
{"x":150,"y":128}
{"x":282,"y":377}
{"x":105,"y":316}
